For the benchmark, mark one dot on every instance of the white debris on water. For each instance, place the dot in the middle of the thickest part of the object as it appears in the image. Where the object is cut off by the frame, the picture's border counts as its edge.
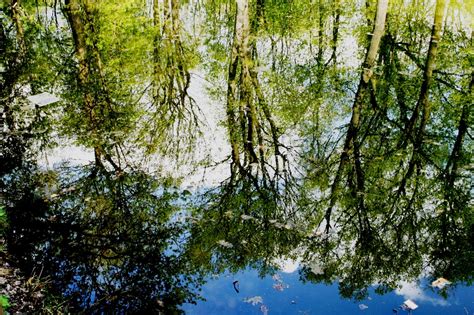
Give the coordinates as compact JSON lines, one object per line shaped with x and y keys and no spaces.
{"x":43,"y":99}
{"x":440,"y":283}
{"x":246,"y":217}
{"x":254,"y":300}
{"x":225,"y":244}
{"x":363,"y":307}
{"x":410,"y":305}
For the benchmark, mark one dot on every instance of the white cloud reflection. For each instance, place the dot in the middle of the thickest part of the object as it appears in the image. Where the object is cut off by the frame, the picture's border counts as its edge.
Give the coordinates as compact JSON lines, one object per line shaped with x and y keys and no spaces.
{"x":413,"y":291}
{"x":287,"y":265}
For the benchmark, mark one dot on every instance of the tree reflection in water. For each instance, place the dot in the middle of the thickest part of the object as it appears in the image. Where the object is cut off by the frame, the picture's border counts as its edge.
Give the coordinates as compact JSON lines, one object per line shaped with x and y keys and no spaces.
{"x":111,"y":241}
{"x":359,"y":169}
{"x":106,"y":240}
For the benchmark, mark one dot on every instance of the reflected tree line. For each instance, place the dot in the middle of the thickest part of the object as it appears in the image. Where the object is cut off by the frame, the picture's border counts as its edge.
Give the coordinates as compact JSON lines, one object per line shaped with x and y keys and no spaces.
{"x":349,"y":144}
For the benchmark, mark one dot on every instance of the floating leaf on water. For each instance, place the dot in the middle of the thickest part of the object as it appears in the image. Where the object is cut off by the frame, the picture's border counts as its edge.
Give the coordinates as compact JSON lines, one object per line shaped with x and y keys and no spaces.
{"x":254,"y":300}
{"x":69,"y":189}
{"x":289,"y":226}
{"x":43,"y":99}
{"x":317,"y":233}
{"x":279,"y":225}
{"x":236,"y":285}
{"x":430,"y":141}
{"x":279,"y":287}
{"x":440,"y":283}
{"x":363,"y":307}
{"x":409,"y":305}
{"x":225,"y":244}
{"x":246,"y":217}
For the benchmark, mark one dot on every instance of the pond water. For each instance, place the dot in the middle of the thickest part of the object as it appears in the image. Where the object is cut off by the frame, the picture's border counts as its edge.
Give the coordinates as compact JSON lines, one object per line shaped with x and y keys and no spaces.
{"x":238,"y":157}
{"x":112,"y":242}
{"x":307,"y":298}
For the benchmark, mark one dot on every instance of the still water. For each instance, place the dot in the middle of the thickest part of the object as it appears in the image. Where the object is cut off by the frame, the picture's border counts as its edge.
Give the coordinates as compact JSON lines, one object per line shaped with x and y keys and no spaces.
{"x":239,"y":157}
{"x":306,"y":298}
